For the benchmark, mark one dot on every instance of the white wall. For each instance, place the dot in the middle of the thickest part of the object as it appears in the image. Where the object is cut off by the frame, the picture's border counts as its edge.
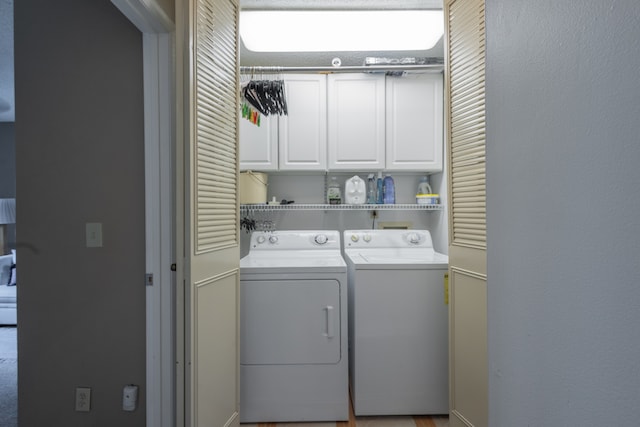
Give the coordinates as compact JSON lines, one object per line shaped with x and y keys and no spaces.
{"x":563,"y":109}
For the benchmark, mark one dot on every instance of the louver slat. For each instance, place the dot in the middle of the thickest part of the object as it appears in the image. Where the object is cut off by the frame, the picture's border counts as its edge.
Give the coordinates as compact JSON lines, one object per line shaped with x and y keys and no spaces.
{"x":467,"y":132}
{"x":216,"y":127}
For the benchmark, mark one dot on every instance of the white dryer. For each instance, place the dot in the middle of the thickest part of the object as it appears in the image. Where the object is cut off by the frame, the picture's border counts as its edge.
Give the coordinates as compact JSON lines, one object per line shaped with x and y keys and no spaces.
{"x":398,"y":323}
{"x":293,"y":328}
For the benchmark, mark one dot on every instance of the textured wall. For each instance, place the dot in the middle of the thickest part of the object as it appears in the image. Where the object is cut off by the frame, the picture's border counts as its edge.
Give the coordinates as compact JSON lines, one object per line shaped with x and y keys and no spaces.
{"x":80,"y":158}
{"x":563,"y":202}
{"x":7,"y":160}
{"x":8,"y":171}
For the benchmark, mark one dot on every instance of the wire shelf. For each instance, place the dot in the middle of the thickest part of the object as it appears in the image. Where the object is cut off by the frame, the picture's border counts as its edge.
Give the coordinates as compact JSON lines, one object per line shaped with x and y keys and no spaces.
{"x":261,"y":207}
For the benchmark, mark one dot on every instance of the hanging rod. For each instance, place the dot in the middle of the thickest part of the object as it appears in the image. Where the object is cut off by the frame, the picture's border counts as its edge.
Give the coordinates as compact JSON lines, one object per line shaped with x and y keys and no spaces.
{"x":436,"y":68}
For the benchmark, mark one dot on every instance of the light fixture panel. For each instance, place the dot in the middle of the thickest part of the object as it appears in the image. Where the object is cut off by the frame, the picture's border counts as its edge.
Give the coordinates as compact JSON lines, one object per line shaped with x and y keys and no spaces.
{"x":329,"y":31}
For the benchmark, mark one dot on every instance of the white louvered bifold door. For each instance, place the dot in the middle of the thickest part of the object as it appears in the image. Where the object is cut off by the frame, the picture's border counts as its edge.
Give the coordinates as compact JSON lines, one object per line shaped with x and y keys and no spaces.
{"x":465,"y":100}
{"x":211,"y":97}
{"x":216,"y":127}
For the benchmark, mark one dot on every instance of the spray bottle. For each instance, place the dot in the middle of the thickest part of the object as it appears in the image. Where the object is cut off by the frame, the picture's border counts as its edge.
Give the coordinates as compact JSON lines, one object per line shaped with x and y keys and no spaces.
{"x":371,"y":189}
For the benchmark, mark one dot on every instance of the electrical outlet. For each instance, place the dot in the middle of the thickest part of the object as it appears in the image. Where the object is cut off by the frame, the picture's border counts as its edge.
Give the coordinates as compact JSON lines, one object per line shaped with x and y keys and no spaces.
{"x":83,"y":399}
{"x":129,"y":397}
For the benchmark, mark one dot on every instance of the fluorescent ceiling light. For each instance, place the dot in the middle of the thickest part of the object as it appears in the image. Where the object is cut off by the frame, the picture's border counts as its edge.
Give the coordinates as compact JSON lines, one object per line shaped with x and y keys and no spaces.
{"x":327,"y":31}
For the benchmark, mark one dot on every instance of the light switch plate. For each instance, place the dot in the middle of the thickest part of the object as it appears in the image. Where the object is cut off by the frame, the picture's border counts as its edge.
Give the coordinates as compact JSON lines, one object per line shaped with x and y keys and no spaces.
{"x":94,"y":234}
{"x":83,"y":399}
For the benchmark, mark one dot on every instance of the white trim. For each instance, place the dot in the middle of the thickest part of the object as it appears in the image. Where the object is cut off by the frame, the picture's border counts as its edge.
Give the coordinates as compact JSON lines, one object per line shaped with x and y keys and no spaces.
{"x":146,"y":15}
{"x":159,"y":126}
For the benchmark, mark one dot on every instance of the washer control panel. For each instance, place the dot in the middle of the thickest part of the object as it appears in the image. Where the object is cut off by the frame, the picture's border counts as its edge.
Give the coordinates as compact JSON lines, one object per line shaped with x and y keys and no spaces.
{"x":387,"y":239}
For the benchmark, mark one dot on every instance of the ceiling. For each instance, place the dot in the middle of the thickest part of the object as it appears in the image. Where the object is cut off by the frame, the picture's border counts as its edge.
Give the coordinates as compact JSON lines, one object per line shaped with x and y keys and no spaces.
{"x":7,"y":98}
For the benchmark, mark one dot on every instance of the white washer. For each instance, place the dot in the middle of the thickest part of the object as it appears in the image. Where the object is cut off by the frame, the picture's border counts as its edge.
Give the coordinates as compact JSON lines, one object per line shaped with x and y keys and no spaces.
{"x":398,"y":323}
{"x":293,"y":328}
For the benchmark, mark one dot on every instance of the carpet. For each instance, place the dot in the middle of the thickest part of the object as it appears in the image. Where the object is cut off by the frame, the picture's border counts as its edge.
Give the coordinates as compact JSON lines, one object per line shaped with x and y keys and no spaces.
{"x":8,"y":377}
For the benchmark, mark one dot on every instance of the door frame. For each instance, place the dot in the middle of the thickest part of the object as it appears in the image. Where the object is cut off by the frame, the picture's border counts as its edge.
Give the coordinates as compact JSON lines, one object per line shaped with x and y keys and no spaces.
{"x":159,"y":144}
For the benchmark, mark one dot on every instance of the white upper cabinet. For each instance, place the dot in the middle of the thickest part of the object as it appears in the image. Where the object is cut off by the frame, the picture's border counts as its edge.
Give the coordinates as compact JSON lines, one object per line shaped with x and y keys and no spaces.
{"x":303,"y":132}
{"x":356,"y":121}
{"x":414,"y":115}
{"x":259,"y":144}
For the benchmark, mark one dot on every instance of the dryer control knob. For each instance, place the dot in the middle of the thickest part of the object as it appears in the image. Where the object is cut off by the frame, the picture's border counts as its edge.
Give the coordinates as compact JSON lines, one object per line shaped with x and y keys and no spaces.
{"x":321,"y":239}
{"x":366,"y":238}
{"x":414,"y":238}
{"x":273,"y":239}
{"x":260,"y":239}
{"x":354,"y":238}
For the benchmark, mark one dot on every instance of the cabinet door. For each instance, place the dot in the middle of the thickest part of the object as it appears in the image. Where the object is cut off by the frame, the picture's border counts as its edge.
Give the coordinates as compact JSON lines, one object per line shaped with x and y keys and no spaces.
{"x":414,"y":122}
{"x":302,"y":134}
{"x":356,"y":121}
{"x":259,"y":144}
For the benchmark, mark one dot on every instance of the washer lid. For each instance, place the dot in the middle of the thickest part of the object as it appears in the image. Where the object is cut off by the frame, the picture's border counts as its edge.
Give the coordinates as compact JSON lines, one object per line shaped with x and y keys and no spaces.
{"x":401,"y":258}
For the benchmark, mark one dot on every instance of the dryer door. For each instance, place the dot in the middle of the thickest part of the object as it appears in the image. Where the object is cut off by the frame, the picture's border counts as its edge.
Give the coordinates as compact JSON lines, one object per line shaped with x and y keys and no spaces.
{"x":286,"y":322}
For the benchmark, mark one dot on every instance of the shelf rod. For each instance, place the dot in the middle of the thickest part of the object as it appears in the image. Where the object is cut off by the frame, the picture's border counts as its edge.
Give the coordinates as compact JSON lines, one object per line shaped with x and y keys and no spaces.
{"x":436,"y":68}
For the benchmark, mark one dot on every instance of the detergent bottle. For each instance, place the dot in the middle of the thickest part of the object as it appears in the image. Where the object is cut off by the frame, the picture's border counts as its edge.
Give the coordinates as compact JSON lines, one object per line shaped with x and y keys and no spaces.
{"x":389,"y":191}
{"x":423,"y":186}
{"x":334,"y":196}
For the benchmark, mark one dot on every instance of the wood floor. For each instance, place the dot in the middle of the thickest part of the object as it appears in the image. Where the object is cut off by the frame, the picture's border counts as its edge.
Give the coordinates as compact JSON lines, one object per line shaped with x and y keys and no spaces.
{"x":390,"y":421}
{"x":423,"y":421}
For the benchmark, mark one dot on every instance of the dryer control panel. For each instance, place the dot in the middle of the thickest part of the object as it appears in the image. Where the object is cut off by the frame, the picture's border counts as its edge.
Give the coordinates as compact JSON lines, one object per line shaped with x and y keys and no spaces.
{"x":295,"y":240}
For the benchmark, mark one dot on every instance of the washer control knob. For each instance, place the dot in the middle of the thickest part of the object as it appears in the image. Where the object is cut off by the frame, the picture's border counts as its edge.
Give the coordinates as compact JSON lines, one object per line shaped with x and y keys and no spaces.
{"x":321,"y":239}
{"x":414,"y":238}
{"x":354,"y":238}
{"x":260,"y":239}
{"x":366,"y":238}
{"x":273,"y":239}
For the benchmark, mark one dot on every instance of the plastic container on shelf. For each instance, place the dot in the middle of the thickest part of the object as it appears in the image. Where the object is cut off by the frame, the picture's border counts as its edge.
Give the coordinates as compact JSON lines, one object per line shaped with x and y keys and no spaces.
{"x":389,"y":191}
{"x":427,"y":199}
{"x":355,"y":191}
{"x":423,"y":186}
{"x":379,"y":189}
{"x":252,"y":187}
{"x":334,"y":195}
{"x":371,"y":189}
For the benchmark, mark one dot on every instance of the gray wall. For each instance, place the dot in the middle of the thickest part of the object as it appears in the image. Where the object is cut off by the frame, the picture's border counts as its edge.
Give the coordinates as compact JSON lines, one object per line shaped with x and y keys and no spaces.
{"x":8,"y":171}
{"x":563,"y":206}
{"x":7,"y":160}
{"x":79,"y":138}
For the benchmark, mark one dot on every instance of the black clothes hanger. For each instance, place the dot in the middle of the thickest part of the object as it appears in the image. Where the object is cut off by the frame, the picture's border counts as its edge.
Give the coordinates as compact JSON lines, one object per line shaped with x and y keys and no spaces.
{"x":266,"y":96}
